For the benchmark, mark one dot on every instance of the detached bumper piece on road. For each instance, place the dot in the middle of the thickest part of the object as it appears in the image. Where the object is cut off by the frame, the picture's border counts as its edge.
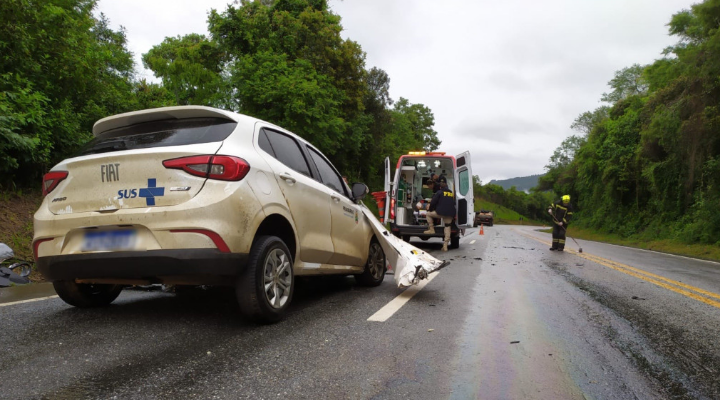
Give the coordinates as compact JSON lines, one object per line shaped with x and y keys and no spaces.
{"x":199,"y":266}
{"x":410,"y":263}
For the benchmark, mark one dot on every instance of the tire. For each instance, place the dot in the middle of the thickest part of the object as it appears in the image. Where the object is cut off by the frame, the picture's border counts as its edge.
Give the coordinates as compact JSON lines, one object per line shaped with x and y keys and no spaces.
{"x":454,"y":242}
{"x":475,"y":225}
{"x":406,"y":238}
{"x":374,"y":272}
{"x":270,"y":265}
{"x":87,"y":295}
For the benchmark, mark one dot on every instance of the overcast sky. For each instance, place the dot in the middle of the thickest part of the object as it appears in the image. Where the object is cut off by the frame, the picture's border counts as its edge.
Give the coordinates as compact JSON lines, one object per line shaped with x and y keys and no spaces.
{"x":505,"y":79}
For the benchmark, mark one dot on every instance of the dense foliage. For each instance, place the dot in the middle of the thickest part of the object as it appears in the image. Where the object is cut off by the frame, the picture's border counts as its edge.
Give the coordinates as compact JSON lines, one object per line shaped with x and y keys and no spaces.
{"x":531,"y":205}
{"x":283,"y":61}
{"x":648,"y":164}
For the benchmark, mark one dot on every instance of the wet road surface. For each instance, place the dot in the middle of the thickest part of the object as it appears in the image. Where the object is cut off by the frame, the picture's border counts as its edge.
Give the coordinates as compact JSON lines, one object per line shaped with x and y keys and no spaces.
{"x":508,"y":319}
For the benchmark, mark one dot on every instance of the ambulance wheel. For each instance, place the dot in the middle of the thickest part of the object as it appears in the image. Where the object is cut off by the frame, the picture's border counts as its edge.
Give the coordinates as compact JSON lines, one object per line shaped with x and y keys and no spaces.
{"x":265,"y":287}
{"x":374,"y":272}
{"x":455,"y":242}
{"x":86,"y":295}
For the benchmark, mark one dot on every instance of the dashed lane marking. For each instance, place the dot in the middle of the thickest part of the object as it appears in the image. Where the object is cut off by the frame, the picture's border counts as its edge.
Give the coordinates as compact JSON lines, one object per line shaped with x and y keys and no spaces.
{"x":395,"y":304}
{"x":27,"y":301}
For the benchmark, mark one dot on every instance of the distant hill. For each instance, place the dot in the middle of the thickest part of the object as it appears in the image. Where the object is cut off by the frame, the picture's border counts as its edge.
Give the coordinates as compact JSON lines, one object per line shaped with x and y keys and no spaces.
{"x":523,"y":183}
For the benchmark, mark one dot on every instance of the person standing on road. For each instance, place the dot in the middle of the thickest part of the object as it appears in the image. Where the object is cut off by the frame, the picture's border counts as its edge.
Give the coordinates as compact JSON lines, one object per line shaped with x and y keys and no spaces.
{"x":561,"y":211}
{"x":442,"y":206}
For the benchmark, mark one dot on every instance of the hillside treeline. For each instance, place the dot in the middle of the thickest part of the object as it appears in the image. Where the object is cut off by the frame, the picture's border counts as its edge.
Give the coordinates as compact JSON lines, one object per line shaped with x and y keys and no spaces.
{"x":647,"y":164}
{"x":531,"y":205}
{"x":62,"y":68}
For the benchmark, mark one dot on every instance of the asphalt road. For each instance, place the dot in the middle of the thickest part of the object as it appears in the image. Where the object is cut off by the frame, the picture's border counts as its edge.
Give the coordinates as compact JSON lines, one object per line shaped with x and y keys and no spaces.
{"x":508,"y":319}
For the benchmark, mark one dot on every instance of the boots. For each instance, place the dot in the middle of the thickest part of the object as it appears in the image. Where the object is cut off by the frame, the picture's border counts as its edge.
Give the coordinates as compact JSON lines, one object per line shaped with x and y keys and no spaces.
{"x":430,"y":230}
{"x":447,"y":236}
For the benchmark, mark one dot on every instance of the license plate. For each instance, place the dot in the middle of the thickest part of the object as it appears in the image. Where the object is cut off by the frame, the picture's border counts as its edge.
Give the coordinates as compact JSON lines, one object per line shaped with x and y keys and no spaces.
{"x":109,"y":240}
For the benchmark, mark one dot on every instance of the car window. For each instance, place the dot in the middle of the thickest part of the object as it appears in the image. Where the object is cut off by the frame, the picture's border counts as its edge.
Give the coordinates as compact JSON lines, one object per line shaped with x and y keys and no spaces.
{"x":173,"y":132}
{"x":264,"y":143}
{"x":327,"y":173}
{"x":287,"y":151}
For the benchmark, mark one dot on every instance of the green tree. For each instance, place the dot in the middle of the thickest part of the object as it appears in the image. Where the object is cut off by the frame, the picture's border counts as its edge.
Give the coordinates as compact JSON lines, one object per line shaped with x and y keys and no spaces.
{"x":190,"y":68}
{"x":65,"y":70}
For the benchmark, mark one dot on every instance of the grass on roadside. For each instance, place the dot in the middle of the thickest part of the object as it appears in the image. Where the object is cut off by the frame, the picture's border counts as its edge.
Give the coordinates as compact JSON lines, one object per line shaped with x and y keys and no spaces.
{"x":702,"y":251}
{"x":504,"y":215}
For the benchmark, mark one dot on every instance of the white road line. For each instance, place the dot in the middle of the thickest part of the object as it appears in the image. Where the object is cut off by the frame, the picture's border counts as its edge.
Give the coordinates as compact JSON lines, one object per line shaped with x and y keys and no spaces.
{"x":395,"y":304}
{"x":27,"y":301}
{"x":472,"y":241}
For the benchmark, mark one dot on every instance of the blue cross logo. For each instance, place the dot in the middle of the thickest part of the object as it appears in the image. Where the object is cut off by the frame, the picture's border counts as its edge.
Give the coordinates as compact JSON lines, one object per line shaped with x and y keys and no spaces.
{"x":151,"y":192}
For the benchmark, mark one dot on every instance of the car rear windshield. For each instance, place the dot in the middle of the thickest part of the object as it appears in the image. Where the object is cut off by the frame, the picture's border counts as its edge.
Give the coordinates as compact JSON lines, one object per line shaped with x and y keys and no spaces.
{"x":172,"y":132}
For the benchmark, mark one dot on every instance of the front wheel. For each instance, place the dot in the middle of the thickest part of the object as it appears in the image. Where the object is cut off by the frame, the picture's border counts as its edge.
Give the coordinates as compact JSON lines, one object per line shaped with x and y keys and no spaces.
{"x":86,"y":295}
{"x":374,"y":272}
{"x":265,"y":288}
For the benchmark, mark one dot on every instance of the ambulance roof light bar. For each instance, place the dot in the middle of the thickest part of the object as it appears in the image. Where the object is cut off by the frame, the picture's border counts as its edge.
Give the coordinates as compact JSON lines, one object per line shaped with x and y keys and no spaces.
{"x":428,"y":153}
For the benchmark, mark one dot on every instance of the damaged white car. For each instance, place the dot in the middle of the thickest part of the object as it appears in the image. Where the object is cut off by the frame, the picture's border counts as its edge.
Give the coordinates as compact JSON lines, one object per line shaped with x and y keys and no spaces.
{"x":199,"y":196}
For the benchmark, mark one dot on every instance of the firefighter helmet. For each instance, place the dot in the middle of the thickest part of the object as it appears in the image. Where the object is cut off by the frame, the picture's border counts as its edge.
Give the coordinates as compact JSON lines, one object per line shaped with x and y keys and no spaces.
{"x":566,"y":198}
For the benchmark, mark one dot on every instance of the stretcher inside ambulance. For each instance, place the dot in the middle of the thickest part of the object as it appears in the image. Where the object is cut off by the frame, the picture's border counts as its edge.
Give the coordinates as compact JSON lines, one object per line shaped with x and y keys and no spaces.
{"x":409,"y":185}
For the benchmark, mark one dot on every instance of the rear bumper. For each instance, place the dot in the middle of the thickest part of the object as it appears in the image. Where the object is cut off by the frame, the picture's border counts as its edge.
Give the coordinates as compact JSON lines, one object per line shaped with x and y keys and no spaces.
{"x":188,"y":266}
{"x":418,"y":230}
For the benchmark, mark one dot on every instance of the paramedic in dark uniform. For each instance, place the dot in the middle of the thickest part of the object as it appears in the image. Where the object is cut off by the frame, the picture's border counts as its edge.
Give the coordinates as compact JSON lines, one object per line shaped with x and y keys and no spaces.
{"x":442,"y":206}
{"x":561,"y":212}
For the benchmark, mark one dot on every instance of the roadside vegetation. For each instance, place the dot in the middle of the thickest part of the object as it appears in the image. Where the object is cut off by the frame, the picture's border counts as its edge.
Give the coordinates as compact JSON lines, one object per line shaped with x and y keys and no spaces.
{"x":645,"y":166}
{"x":510,"y":205}
{"x":283,"y":61}
{"x":504,"y":215}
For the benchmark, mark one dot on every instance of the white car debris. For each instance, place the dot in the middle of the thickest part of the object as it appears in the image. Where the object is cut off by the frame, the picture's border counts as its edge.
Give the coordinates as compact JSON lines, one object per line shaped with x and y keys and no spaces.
{"x":411,"y":264}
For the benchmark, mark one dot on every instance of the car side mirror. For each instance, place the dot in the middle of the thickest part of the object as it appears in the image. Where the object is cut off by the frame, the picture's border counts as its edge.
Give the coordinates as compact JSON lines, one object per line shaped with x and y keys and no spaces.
{"x":359,"y":190}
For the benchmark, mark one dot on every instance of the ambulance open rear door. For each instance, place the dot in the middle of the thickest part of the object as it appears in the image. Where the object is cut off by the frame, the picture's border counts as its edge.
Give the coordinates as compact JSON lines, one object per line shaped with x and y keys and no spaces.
{"x":388,"y":191}
{"x":464,"y":191}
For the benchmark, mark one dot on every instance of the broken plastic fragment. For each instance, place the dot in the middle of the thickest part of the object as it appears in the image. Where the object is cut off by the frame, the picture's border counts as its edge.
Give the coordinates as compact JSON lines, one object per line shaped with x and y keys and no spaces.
{"x":411,"y":264}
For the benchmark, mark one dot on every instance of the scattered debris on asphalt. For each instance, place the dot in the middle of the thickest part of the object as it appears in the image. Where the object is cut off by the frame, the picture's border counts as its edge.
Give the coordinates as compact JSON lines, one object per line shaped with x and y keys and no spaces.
{"x":638,"y":298}
{"x":515,"y":341}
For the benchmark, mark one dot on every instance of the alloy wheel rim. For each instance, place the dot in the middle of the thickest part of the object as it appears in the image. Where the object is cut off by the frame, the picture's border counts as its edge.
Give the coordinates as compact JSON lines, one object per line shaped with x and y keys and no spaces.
{"x":375,"y":261}
{"x":277,"y":278}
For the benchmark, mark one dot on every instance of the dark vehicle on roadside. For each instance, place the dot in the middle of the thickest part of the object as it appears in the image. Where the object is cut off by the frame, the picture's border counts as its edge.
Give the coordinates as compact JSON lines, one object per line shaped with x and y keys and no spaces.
{"x":484,"y":217}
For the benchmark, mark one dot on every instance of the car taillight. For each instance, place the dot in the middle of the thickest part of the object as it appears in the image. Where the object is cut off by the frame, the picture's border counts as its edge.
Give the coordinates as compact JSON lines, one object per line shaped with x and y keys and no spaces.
{"x":51,"y":180}
{"x":392,"y":209}
{"x":224,"y":168}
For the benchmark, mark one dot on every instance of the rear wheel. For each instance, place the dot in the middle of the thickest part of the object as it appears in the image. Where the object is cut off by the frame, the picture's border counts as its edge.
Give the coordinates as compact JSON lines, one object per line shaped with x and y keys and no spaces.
{"x":265,"y":288}
{"x":455,"y":242}
{"x":406,"y":238}
{"x":85,"y":295}
{"x":374,"y":272}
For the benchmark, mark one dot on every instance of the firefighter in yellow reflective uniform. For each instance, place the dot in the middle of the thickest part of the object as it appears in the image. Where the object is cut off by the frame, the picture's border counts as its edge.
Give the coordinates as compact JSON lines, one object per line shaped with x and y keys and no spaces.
{"x":561,"y":212}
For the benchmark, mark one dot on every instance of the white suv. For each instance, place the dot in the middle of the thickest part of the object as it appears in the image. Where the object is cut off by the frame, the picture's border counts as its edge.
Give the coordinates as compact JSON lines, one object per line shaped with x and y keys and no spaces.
{"x":200,"y":196}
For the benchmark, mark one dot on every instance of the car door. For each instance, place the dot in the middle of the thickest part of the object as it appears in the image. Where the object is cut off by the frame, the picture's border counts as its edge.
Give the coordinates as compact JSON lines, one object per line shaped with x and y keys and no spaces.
{"x":306,"y":198}
{"x":465,"y":201}
{"x":349,"y":229}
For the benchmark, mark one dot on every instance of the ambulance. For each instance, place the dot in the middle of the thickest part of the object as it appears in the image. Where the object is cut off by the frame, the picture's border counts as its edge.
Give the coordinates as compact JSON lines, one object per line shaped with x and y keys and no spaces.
{"x":409,"y":186}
